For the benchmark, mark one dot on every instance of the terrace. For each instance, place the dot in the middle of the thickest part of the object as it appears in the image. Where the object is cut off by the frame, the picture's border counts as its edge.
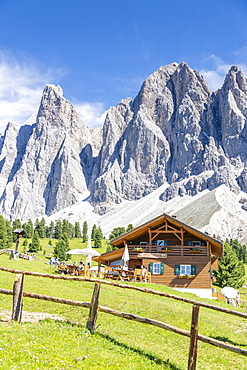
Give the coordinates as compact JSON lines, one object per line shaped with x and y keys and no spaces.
{"x":140,"y":250}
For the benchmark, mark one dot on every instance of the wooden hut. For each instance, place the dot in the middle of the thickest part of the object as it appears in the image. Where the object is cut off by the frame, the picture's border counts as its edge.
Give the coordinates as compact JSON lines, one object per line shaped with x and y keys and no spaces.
{"x":176,"y":254}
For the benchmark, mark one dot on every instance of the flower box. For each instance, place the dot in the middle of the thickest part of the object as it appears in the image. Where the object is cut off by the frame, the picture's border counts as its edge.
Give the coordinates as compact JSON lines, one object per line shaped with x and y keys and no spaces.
{"x":138,"y":249}
{"x":186,"y":276}
{"x":195,"y":250}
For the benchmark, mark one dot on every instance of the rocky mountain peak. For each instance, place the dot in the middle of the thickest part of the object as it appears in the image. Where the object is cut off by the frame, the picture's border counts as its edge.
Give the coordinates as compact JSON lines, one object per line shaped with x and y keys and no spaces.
{"x":175,"y":133}
{"x":235,"y":79}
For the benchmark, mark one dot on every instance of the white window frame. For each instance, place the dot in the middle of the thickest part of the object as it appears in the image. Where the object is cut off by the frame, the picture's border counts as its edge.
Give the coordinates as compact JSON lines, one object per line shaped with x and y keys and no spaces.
{"x":185,"y":270}
{"x":156,"y":268}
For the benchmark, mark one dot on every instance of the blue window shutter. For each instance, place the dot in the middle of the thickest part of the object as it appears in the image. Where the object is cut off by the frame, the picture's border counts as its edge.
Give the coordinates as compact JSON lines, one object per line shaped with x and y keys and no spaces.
{"x":165,"y":242}
{"x":190,"y":243}
{"x":151,"y":267}
{"x":203,"y":243}
{"x":177,"y":270}
{"x":162,"y":269}
{"x":193,"y":269}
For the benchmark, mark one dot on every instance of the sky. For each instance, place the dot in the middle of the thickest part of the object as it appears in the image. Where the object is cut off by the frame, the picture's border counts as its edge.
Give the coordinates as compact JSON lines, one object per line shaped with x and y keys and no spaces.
{"x":101,"y":51}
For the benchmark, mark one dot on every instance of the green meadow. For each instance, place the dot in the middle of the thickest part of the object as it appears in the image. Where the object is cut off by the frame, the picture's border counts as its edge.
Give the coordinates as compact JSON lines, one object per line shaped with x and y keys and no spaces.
{"x":63,"y":342}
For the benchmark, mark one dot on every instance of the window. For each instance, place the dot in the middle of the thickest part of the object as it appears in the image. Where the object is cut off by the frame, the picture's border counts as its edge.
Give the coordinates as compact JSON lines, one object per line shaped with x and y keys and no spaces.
{"x":161,"y":243}
{"x":181,"y":270}
{"x":156,"y":268}
{"x":143,"y":243}
{"x":185,"y":270}
{"x":196,"y":243}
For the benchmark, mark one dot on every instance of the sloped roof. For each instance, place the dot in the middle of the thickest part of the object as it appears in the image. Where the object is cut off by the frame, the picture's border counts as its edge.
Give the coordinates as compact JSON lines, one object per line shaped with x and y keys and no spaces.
{"x":217,"y":247}
{"x":109,"y":256}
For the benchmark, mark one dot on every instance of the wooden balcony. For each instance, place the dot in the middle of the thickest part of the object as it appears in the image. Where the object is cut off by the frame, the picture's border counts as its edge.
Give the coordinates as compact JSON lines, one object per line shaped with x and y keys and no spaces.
{"x":169,"y":251}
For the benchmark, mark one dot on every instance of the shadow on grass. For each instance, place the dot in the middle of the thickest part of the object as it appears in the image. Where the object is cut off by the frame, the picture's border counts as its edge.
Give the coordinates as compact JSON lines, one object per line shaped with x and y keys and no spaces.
{"x":226,"y":340}
{"x":140,"y":352}
{"x":167,"y":363}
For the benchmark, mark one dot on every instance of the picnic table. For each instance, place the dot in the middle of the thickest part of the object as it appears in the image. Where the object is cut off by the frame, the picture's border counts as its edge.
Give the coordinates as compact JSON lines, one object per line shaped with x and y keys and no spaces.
{"x":118,"y":274}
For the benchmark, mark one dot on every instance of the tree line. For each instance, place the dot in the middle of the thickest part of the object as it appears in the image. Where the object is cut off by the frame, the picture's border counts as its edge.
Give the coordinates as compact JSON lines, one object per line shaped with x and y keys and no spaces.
{"x":231,"y":269}
{"x":62,"y":230}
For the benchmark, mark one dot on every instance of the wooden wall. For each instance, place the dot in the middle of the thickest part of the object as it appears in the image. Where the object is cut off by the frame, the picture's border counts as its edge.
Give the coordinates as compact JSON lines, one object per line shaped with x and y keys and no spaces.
{"x":201,"y":281}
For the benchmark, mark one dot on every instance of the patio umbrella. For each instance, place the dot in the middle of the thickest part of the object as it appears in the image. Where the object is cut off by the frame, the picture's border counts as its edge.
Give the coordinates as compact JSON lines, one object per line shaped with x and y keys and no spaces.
{"x":229,"y":292}
{"x":84,"y":251}
{"x":89,"y":252}
{"x":74,"y":251}
{"x":125,"y":256}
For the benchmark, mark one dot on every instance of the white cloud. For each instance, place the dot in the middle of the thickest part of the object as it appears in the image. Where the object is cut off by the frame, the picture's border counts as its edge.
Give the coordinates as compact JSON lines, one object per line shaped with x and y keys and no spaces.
{"x":21,"y":86}
{"x":92,"y":114}
{"x":216,"y":74}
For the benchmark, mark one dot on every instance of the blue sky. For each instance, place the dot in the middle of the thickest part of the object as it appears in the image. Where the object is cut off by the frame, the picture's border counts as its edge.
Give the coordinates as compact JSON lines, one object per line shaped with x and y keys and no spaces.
{"x":101,"y":51}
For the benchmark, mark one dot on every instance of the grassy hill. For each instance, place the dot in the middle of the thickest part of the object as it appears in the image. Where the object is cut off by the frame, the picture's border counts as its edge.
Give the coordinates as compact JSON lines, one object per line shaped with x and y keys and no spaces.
{"x":64,"y":343}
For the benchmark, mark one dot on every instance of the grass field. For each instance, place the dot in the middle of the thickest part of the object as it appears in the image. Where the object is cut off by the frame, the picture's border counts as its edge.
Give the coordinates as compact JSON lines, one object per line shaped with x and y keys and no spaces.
{"x":118,"y":343}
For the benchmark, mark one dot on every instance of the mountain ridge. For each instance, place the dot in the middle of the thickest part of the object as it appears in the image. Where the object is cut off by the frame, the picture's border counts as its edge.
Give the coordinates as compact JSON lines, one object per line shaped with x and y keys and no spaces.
{"x":176,"y":135}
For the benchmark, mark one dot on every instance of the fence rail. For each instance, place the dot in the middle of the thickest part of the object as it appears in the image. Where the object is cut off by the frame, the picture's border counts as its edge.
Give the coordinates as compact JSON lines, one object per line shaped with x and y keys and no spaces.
{"x":94,"y":308}
{"x":126,"y":286}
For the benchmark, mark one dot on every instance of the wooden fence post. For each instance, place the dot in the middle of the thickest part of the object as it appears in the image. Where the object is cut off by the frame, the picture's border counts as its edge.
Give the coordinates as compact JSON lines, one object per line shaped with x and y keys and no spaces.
{"x":92,"y":317}
{"x":193,"y":338}
{"x":17,"y":297}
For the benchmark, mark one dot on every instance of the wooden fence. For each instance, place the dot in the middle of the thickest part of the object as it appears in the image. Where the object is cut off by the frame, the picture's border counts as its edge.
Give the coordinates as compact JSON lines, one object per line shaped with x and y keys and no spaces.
{"x":94,"y":308}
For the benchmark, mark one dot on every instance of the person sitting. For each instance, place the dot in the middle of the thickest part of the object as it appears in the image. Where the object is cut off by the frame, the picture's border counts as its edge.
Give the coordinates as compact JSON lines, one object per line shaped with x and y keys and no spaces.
{"x":81,"y":266}
{"x":52,"y":261}
{"x":144,"y":270}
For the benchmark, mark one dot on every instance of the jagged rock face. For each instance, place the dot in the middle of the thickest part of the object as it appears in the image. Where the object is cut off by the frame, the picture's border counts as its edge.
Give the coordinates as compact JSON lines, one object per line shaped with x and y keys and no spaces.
{"x":52,"y":173}
{"x":176,"y":132}
{"x":8,"y":154}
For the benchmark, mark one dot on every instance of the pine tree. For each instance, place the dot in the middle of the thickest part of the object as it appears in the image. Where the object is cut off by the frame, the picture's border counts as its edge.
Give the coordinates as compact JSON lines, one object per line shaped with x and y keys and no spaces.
{"x":58,"y":230}
{"x":130,"y":227}
{"x":29,"y":229}
{"x":40,"y":228}
{"x":97,"y":239}
{"x":77,"y":230}
{"x":100,"y":232}
{"x":230,"y":271}
{"x":62,"y":246}
{"x":117,"y":231}
{"x":84,"y":231}
{"x":9,"y":234}
{"x":3,"y":233}
{"x":71,"y":230}
{"x":50,"y":230}
{"x":65,"y":227}
{"x":239,"y":249}
{"x":93,"y":232}
{"x":16,"y":224}
{"x":34,"y":246}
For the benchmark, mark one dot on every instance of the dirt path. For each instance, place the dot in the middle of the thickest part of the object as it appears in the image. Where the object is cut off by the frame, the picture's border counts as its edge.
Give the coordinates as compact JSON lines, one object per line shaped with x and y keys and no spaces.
{"x":5,"y":316}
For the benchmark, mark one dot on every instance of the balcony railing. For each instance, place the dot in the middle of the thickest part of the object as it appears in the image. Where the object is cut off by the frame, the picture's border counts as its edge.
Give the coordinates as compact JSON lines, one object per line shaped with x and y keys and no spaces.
{"x":171,"y":251}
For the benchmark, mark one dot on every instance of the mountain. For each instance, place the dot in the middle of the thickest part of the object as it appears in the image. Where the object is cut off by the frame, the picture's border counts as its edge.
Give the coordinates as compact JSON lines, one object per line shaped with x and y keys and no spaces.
{"x":176,"y":138}
{"x":52,"y":161}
